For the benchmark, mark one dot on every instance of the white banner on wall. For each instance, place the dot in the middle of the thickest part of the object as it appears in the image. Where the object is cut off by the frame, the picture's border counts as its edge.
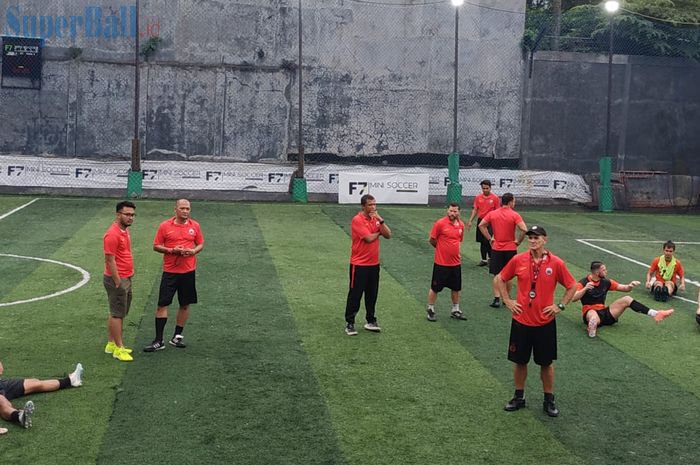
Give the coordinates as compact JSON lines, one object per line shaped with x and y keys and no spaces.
{"x":385,"y":187}
{"x":263,"y":177}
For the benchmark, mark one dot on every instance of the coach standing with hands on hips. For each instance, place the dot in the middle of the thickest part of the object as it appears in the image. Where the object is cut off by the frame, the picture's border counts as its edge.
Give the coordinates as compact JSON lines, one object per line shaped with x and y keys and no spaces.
{"x":179,"y":239}
{"x":366,"y":229}
{"x":533,"y":328}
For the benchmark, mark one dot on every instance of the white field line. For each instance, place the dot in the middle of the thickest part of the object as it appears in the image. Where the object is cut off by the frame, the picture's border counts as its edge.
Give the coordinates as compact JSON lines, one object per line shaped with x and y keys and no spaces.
{"x":644,"y":265}
{"x":635,"y":241}
{"x":17,"y":209}
{"x":85,"y":274}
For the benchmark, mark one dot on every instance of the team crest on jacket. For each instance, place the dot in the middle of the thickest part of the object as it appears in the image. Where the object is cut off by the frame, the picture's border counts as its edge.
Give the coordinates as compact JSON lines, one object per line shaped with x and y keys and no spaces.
{"x":549,"y":271}
{"x":191,"y":232}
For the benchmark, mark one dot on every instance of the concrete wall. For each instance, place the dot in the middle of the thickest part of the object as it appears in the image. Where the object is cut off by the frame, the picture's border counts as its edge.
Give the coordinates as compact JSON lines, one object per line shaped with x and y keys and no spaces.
{"x":378,"y":79}
{"x":654,"y":122}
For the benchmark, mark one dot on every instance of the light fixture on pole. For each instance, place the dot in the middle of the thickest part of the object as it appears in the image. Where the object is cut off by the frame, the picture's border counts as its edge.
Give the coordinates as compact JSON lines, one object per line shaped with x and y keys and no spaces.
{"x":611,"y":6}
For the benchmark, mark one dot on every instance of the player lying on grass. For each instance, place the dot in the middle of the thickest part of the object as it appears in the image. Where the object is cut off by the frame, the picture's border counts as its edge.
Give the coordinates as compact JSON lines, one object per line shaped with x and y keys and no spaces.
{"x":592,"y":291}
{"x":11,"y":389}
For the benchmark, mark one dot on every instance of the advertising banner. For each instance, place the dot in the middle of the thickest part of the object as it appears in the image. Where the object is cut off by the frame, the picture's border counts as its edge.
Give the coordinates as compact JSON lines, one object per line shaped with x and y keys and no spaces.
{"x":385,"y":187}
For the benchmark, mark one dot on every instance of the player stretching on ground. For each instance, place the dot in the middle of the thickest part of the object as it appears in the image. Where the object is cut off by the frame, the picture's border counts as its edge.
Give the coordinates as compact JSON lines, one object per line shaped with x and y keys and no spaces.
{"x":665,"y":276}
{"x":592,"y":291}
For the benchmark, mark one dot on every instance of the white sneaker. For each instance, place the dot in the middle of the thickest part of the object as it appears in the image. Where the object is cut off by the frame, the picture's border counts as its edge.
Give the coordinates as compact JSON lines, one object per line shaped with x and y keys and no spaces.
{"x":25,"y":415}
{"x":76,"y":378}
{"x":374,"y":327}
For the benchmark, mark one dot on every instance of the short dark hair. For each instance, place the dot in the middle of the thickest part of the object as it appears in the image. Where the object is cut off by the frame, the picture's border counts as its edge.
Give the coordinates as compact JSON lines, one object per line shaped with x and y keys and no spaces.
{"x":365,"y":198}
{"x":453,"y":204}
{"x":670,"y":245}
{"x":125,"y":203}
{"x":507,"y":198}
{"x":485,"y":182}
{"x":595,"y":265}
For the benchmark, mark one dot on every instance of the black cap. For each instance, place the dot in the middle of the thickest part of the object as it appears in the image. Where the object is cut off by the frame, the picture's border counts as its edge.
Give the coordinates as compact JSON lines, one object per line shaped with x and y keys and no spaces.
{"x":536,"y":231}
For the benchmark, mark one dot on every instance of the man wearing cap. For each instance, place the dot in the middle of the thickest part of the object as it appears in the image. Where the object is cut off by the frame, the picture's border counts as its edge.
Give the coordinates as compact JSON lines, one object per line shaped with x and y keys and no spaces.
{"x":592,"y":291}
{"x":483,"y":204}
{"x":533,"y":327}
{"x":503,"y":221}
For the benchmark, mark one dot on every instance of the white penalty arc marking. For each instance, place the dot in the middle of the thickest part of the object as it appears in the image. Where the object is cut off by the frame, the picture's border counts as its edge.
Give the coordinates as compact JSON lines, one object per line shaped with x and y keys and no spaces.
{"x":84,"y":273}
{"x":644,"y":265}
{"x":2,"y":217}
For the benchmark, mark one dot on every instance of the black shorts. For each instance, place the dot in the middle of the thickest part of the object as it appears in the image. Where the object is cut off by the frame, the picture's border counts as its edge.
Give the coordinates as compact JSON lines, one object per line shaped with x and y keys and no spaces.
{"x":446,"y":276}
{"x":12,"y":388}
{"x":541,"y":341}
{"x":182,"y":283}
{"x":479,"y":236}
{"x":606,"y":318}
{"x":499,"y":259}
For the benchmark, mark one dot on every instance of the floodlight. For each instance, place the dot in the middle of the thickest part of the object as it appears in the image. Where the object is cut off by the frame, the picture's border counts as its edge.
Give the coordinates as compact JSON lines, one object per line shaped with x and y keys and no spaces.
{"x":611,"y":6}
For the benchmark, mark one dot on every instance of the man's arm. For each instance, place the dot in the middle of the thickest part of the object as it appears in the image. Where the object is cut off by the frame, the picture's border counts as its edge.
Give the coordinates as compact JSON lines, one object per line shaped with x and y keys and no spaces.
{"x":471,"y":218}
{"x":578,"y":294}
{"x":484,"y":228}
{"x":627,"y":287}
{"x":433,"y":242}
{"x":522,"y":229}
{"x":111,"y":263}
{"x":512,"y":305}
{"x":554,"y":310}
{"x":648,"y":282}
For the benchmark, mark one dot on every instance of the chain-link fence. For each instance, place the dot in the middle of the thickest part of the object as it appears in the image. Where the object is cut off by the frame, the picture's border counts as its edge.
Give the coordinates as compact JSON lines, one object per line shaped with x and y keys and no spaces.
{"x":219,"y":84}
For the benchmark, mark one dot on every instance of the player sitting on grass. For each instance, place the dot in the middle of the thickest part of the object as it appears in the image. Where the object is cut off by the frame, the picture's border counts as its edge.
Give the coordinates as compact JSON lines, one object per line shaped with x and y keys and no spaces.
{"x":665,"y":276}
{"x":592,"y":291}
{"x":14,"y":388}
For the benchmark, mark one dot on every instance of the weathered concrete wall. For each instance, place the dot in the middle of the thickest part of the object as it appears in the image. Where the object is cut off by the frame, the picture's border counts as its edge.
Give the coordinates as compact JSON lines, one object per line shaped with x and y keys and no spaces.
{"x":654,"y":122}
{"x":377,"y":78}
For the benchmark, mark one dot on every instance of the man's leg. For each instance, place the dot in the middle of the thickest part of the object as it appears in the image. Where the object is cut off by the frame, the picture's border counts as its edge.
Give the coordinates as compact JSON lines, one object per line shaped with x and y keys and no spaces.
{"x":355,"y":290}
{"x":371,"y":294}
{"x":619,"y":306}
{"x":547,"y":376}
{"x":115,"y":326}
{"x":519,"y":375}
{"x":593,"y":322}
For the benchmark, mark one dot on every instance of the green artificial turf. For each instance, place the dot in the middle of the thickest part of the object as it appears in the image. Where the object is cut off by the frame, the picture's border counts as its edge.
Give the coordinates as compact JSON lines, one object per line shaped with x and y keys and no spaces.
{"x":269,"y":377}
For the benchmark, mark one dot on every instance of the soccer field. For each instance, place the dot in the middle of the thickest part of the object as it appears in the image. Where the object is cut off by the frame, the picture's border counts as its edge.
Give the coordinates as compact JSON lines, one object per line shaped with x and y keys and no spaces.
{"x":269,"y":377}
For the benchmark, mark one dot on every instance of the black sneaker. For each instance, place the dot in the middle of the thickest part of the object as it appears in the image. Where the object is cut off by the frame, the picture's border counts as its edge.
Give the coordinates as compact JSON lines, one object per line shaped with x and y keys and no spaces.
{"x":154,"y":346}
{"x":176,"y":341}
{"x":516,"y":403}
{"x":496,"y":303}
{"x":431,"y":315}
{"x":483,"y":263}
{"x":350,"y":329}
{"x":657,"y":294}
{"x":550,"y":408}
{"x":457,"y":315}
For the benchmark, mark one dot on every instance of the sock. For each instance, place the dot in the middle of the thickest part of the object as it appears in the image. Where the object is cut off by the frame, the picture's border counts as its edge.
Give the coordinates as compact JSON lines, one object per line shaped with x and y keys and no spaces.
{"x":64,"y":383}
{"x":639,"y":307}
{"x":520,"y":393}
{"x":455,"y":307}
{"x":178,"y":330}
{"x":14,"y":416}
{"x":431,"y":307}
{"x":652,"y":313}
{"x":549,"y":397}
{"x":160,"y":326}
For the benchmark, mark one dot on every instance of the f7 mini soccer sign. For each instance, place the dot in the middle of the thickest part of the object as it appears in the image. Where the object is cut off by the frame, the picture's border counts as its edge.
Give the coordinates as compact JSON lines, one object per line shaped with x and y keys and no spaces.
{"x":21,"y":62}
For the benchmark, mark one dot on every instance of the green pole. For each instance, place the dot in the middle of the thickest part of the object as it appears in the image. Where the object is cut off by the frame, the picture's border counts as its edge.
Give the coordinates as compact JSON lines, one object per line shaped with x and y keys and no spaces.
{"x":605,"y":191}
{"x":454,"y":188}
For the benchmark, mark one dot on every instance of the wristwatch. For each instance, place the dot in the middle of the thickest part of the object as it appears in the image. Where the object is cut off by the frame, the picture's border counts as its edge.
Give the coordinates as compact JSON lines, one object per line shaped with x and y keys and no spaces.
{"x":381,"y":222}
{"x":562,"y":307}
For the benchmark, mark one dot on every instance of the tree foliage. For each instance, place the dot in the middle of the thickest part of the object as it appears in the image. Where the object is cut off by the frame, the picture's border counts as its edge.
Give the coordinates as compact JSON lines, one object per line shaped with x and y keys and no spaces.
{"x":642,"y":27}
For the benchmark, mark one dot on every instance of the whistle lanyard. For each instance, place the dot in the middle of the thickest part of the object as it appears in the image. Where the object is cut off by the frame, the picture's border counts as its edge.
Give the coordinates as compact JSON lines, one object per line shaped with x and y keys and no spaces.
{"x":535,"y":275}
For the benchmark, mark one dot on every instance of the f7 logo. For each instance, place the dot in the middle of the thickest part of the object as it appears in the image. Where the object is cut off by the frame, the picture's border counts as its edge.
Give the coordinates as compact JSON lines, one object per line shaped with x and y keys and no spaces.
{"x":213,"y":175}
{"x":559,"y":184}
{"x":275,"y":177}
{"x":505,"y":182}
{"x":149,"y":174}
{"x":83,"y":172}
{"x":361,"y":186}
{"x":15,"y":170}
{"x":332,"y":178}
{"x":8,"y":47}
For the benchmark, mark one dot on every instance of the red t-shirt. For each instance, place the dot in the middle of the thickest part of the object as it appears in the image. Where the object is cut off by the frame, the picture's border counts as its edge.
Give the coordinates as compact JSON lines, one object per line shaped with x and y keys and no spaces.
{"x":550,"y":271}
{"x":364,"y":253}
{"x":503,"y":222}
{"x":448,"y":237}
{"x":171,"y":234}
{"x":485,"y":204}
{"x":118,"y":244}
{"x":677,"y":270}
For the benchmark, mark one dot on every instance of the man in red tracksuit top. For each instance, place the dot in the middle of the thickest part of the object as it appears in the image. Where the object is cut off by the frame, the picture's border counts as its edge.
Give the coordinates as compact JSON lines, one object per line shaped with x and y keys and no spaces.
{"x":533,"y":328}
{"x":179,"y":239}
{"x":367,"y":227}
